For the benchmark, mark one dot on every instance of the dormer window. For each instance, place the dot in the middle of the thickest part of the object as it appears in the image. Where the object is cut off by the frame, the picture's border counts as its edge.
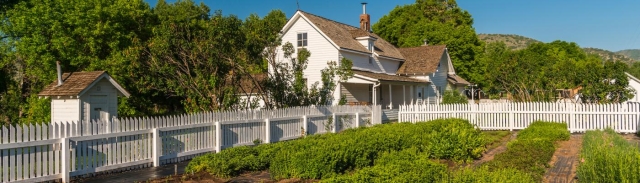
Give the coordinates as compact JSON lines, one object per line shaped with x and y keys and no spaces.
{"x":302,"y":39}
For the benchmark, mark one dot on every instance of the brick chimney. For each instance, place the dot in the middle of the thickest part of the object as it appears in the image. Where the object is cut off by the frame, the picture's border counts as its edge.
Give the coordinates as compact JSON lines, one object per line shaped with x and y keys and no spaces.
{"x":365,"y":19}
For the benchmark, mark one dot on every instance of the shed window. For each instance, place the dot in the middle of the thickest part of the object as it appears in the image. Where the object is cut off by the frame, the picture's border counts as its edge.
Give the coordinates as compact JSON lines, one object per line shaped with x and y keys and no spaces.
{"x":302,"y":39}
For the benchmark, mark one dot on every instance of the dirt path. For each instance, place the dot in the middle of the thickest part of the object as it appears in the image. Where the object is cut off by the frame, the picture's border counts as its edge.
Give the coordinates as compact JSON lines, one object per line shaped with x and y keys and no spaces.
{"x":490,"y":153}
{"x":564,"y":162}
{"x":632,"y":138}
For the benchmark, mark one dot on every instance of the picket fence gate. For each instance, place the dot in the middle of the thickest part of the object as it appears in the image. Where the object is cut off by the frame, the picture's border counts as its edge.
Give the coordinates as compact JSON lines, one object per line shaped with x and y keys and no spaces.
{"x":61,"y":150}
{"x":623,"y":118}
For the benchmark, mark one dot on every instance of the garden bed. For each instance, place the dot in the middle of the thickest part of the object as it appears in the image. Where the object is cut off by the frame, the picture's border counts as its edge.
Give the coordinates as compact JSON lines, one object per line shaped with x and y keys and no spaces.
{"x":431,"y":151}
{"x":532,"y":150}
{"x":608,"y":157}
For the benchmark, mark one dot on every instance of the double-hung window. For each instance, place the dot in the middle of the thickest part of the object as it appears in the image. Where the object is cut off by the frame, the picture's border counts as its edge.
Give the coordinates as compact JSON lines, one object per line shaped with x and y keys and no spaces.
{"x":302,"y":39}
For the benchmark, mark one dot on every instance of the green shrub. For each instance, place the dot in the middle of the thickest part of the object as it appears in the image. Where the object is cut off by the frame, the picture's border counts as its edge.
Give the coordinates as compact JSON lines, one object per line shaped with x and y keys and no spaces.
{"x":229,"y":162}
{"x":454,"y":139}
{"x":454,"y":97}
{"x":529,"y":155}
{"x":540,"y":129}
{"x":607,"y":157}
{"x":409,"y":165}
{"x":532,"y":150}
{"x":457,"y":140}
{"x":484,"y":175}
{"x":324,"y":156}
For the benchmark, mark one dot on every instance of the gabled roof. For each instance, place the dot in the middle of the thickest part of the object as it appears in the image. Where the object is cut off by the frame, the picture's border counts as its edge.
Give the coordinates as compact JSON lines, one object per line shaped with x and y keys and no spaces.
{"x":76,"y":83}
{"x":344,"y":36}
{"x":457,"y":80}
{"x":632,"y":78}
{"x":421,"y":60}
{"x":387,"y":77}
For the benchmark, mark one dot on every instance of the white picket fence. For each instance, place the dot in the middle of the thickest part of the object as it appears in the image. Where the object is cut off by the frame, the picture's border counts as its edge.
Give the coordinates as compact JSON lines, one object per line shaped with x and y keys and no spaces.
{"x":66,"y":149}
{"x":623,"y":118}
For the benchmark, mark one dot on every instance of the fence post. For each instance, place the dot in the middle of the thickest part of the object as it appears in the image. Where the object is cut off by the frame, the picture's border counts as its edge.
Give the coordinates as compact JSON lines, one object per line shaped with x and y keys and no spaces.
{"x":305,"y":125}
{"x":572,"y":119}
{"x":65,"y":160}
{"x":335,"y":122}
{"x":510,"y":119}
{"x":157,"y":147}
{"x":357,"y":120}
{"x":218,"y":137}
{"x":267,"y":125}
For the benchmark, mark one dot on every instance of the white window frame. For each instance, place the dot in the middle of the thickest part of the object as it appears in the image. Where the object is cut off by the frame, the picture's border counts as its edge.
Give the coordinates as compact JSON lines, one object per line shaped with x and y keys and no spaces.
{"x":302,"y":39}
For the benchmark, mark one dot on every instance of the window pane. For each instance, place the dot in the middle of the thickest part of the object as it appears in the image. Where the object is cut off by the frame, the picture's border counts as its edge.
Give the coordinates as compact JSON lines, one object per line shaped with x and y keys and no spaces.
{"x":299,"y":36}
{"x":299,"y":43}
{"x":304,"y":43}
{"x":304,"y":36}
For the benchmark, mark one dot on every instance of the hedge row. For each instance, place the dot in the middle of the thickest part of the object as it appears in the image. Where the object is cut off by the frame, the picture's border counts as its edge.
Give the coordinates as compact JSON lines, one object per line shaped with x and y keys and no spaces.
{"x":532,"y":150}
{"x":444,"y":139}
{"x":608,"y":157}
{"x":324,"y":156}
{"x":411,"y":165}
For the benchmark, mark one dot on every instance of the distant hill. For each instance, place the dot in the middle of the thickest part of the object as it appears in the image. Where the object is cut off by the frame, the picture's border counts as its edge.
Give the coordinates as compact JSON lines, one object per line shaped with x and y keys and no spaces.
{"x":609,"y":55}
{"x":516,"y":42}
{"x":631,"y":53}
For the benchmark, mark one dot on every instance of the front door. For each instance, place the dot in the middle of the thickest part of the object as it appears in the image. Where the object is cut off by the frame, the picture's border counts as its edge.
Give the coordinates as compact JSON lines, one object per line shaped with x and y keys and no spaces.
{"x":98,"y":108}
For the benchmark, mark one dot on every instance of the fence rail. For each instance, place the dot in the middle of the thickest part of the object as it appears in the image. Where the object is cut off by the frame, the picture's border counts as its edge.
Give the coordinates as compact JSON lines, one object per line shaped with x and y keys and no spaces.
{"x":623,"y":118}
{"x":62,"y":150}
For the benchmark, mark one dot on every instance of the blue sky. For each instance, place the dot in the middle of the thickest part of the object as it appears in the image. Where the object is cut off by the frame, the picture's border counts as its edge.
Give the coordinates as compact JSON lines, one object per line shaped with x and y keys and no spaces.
{"x":611,"y":25}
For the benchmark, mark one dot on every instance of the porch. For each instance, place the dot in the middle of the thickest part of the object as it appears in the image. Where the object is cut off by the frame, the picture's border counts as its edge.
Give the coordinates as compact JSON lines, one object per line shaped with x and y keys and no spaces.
{"x":390,"y":91}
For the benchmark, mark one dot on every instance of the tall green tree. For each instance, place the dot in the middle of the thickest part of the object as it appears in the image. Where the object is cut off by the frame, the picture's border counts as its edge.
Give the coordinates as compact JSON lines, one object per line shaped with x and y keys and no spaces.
{"x":437,"y":22}
{"x":287,"y":87}
{"x":83,"y":35}
{"x":534,"y":73}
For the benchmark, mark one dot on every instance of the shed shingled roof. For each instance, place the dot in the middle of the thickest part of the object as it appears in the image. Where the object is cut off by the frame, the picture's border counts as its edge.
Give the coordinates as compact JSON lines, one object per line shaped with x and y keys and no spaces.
{"x":387,"y":77}
{"x":74,"y":83}
{"x":344,"y":36}
{"x":457,"y":80}
{"x":422,"y":59}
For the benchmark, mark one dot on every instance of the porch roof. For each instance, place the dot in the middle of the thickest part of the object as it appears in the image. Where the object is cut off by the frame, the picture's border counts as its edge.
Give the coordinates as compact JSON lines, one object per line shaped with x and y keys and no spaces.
{"x":386,"y":77}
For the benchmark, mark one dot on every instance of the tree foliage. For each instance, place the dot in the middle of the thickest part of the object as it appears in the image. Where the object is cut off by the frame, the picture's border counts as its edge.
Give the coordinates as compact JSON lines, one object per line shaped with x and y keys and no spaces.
{"x":438,"y":22}
{"x":86,"y":35}
{"x":454,"y":97}
{"x":534,"y":73}
{"x":287,"y":86}
{"x":173,"y":58}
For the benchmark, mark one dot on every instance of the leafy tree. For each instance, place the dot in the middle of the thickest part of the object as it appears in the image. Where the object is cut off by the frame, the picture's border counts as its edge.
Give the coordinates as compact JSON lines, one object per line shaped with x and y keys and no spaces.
{"x":287,"y":87}
{"x":438,"y":22}
{"x":534,"y":73}
{"x":86,"y":35}
{"x":454,"y":97}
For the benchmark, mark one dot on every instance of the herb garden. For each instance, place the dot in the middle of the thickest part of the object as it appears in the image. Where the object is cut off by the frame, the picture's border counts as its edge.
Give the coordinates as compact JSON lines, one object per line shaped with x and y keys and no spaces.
{"x":441,"y":150}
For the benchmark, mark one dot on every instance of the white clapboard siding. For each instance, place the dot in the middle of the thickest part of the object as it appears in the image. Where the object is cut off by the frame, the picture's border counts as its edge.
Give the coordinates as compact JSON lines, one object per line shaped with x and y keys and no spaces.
{"x":33,"y":153}
{"x":623,"y":118}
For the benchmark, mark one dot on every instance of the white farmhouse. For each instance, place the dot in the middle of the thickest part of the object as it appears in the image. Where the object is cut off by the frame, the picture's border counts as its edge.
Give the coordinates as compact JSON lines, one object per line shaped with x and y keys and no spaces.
{"x":383,"y":74}
{"x":83,"y":96}
{"x":634,"y":83}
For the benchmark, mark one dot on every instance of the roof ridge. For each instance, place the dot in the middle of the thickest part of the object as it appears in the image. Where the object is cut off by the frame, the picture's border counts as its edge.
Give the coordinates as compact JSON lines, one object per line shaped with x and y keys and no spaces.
{"x":329,"y":19}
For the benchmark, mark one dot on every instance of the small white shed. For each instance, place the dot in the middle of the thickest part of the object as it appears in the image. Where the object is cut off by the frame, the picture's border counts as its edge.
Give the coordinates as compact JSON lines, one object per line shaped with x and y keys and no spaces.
{"x":84,"y":96}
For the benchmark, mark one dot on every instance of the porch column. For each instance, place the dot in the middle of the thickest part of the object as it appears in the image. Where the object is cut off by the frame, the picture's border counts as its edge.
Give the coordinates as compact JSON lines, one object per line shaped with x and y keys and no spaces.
{"x":411,"y":94}
{"x":390,"y":98}
{"x":374,"y":97}
{"x":404,"y":95}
